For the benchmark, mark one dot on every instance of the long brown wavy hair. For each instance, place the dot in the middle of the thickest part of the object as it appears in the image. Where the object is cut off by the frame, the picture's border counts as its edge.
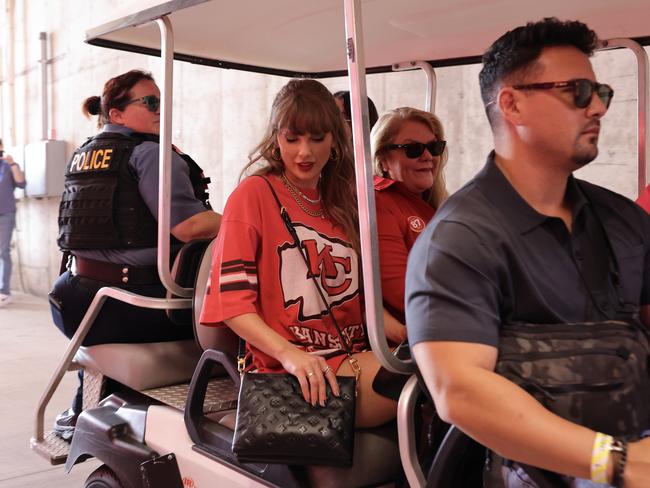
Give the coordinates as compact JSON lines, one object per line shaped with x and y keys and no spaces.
{"x":384,"y":133}
{"x":305,"y":106}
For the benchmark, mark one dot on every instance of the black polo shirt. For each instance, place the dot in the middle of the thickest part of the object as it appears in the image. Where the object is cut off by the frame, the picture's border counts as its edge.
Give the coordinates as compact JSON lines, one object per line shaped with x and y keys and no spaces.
{"x":488,"y":258}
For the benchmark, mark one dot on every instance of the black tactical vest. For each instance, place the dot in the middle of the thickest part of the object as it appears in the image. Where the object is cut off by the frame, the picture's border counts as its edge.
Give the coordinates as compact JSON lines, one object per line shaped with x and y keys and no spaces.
{"x":101,"y":207}
{"x":197,"y":178}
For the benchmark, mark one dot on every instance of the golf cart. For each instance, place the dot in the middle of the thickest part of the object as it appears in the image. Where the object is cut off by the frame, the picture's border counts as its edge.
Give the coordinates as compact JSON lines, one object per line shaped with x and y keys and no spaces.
{"x":174,"y":425}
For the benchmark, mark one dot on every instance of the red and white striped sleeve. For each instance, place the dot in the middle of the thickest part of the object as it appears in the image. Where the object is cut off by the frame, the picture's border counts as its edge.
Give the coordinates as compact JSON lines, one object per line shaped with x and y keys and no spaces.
{"x":233,"y":283}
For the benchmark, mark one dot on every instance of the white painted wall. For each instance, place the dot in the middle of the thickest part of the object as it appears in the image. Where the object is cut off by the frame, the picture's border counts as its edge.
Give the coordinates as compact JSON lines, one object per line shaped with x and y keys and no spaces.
{"x":220,"y":114}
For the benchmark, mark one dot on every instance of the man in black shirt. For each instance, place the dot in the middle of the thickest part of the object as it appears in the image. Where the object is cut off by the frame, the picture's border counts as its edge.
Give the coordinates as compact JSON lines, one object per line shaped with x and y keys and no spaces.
{"x":520,"y":243}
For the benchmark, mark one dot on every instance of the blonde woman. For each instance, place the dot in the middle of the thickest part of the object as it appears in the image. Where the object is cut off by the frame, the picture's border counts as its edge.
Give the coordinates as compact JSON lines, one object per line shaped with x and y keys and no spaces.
{"x":409,"y":152}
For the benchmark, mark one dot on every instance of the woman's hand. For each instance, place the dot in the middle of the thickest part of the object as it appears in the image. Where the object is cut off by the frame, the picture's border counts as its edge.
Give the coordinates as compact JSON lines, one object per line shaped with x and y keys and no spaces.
{"x":394,"y":329}
{"x":312,"y":371}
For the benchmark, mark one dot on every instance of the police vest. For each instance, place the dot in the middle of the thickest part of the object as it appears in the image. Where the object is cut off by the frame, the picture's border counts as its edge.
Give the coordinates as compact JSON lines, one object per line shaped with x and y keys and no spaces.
{"x":101,"y":207}
{"x":197,"y":178}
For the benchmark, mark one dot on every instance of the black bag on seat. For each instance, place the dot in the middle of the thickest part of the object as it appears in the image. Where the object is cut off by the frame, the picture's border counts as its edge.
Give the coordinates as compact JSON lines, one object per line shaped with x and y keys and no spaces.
{"x":593,"y":373}
{"x":276,"y":425}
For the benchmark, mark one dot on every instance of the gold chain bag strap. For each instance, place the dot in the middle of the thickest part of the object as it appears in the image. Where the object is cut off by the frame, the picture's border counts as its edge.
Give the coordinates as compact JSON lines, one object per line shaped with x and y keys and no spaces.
{"x":274,"y":422}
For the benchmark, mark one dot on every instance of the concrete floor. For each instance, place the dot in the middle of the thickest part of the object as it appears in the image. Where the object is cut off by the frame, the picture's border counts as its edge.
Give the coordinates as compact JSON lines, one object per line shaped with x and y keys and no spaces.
{"x":31,"y":348}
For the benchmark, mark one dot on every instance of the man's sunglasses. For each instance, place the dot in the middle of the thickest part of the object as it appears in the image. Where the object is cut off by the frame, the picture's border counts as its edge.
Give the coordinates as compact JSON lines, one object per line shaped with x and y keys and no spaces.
{"x":152,"y":102}
{"x":416,"y":149}
{"x":583,"y":90}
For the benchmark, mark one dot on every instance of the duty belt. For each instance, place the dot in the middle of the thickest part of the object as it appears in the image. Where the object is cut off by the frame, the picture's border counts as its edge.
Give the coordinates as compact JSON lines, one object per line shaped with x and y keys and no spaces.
{"x":116,"y":274}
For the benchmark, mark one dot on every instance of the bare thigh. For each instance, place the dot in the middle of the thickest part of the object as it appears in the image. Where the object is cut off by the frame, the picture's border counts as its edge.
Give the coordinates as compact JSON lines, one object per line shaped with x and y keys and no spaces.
{"x":372,"y":408}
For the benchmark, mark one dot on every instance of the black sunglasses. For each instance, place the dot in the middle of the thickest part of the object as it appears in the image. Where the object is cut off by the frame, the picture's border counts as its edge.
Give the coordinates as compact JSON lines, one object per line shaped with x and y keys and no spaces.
{"x":152,"y":102}
{"x":416,"y":149}
{"x":583,"y":90}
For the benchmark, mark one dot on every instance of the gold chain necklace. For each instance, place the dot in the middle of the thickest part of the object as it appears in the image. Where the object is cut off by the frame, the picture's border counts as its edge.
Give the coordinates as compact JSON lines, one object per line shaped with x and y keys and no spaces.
{"x":294,"y":194}
{"x":290,"y":184}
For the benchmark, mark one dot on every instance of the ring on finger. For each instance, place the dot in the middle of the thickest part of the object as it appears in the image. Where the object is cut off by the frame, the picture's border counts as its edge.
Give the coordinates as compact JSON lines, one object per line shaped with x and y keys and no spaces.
{"x":310,"y":374}
{"x":327,"y":370}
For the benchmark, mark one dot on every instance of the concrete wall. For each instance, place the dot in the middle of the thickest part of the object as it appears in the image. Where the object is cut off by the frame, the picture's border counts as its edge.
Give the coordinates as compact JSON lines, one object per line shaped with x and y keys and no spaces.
{"x":221,"y":114}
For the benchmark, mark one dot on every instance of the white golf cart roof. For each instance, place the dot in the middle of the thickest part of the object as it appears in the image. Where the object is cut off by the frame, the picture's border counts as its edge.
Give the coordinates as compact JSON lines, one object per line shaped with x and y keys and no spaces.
{"x":307,"y":37}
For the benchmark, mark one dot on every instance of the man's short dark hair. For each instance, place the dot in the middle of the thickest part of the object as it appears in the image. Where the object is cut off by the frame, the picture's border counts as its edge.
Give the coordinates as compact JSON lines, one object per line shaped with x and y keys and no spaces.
{"x":517,"y":50}
{"x":344,"y":95}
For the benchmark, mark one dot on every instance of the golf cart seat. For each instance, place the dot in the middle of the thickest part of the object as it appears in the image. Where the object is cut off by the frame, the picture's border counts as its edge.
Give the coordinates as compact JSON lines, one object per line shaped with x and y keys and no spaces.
{"x":152,"y":365}
{"x":142,"y":366}
{"x":376,"y":454}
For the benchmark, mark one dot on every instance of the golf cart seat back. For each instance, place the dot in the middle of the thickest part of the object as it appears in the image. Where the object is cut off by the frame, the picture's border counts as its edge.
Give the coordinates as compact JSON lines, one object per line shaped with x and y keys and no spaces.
{"x":376,"y":453}
{"x":152,"y":365}
{"x":184,"y":271}
{"x":219,"y":338}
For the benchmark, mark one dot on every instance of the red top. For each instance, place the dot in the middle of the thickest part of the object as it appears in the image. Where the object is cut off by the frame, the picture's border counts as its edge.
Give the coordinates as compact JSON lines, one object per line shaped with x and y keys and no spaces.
{"x":644,"y":199}
{"x":401,"y":216}
{"x":257,"y":268}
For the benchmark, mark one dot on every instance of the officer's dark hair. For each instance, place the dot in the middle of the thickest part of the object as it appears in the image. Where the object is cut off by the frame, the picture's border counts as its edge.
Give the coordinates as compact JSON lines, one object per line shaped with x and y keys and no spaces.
{"x":513,"y":56}
{"x":344,"y":96}
{"x":115,"y":95}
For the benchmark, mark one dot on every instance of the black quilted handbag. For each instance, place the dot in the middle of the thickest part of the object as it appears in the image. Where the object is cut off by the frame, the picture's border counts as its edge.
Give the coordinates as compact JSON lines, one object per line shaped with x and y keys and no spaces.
{"x":274,"y":422}
{"x":276,"y":425}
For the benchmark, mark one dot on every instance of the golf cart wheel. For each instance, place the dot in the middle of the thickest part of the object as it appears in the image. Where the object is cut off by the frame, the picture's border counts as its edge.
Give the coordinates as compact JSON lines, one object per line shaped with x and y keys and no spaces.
{"x":103,"y":477}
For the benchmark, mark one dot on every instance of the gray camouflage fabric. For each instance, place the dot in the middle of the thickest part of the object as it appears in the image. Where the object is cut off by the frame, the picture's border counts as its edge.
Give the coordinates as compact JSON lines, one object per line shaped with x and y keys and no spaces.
{"x":591,"y":373}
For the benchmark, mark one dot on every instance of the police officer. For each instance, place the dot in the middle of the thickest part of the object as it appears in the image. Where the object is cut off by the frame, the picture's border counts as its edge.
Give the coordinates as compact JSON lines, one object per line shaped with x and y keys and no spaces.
{"x":108,"y":221}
